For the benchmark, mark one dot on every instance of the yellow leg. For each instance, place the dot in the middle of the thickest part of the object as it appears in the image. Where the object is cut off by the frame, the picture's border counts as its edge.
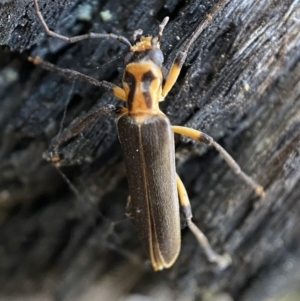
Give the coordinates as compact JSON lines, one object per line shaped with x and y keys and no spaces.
{"x":199,"y":136}
{"x":212,"y":256}
{"x":181,"y":56}
{"x":172,"y":76}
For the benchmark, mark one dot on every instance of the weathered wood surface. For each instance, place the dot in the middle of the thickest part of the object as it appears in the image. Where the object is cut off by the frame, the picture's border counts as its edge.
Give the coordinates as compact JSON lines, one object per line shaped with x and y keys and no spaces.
{"x":241,"y":85}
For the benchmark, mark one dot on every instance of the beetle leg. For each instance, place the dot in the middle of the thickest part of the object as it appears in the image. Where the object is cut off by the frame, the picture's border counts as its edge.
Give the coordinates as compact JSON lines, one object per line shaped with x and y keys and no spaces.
{"x":212,"y":256}
{"x":206,"y":139}
{"x":78,"y":127}
{"x":173,"y":73}
{"x":72,"y":74}
{"x":181,"y":55}
{"x":128,"y":210}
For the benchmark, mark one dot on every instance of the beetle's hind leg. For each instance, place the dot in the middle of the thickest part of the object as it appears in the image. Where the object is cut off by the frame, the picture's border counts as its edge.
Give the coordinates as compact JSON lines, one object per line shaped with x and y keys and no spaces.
{"x":212,"y":256}
{"x":206,"y":139}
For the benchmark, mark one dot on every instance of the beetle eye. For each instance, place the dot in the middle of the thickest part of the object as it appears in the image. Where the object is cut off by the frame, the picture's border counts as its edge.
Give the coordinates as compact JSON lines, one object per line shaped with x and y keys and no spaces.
{"x":127,"y":58}
{"x":156,"y":56}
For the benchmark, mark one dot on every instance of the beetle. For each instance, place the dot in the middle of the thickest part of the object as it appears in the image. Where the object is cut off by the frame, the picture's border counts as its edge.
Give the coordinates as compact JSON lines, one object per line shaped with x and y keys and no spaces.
{"x":147,"y":141}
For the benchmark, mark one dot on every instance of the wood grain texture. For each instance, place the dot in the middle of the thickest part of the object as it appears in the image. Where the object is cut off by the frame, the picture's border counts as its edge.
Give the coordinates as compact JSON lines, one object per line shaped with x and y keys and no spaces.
{"x":240,"y":85}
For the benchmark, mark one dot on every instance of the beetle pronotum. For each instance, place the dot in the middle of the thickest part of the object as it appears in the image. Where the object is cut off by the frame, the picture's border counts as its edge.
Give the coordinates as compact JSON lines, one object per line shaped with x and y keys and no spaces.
{"x":147,"y":140}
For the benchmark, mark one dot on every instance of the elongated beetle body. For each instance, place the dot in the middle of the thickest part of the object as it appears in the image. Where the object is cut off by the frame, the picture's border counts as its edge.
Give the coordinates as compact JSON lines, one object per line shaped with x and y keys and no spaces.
{"x":147,"y":140}
{"x":148,"y":149}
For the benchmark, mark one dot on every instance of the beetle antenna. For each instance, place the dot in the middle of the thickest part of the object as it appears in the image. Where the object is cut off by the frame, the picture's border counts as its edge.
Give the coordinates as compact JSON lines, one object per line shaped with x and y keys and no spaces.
{"x":161,"y":27}
{"x":137,"y":33}
{"x":75,"y":39}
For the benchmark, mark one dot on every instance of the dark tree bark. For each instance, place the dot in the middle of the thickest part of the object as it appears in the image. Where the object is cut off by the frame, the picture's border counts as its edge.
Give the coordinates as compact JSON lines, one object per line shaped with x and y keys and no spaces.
{"x":240,"y":84}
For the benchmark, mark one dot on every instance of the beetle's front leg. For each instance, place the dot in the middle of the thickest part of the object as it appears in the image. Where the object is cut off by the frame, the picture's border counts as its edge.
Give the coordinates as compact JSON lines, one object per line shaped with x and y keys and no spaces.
{"x":75,"y":75}
{"x":181,"y":55}
{"x":206,"y":139}
{"x":212,"y":256}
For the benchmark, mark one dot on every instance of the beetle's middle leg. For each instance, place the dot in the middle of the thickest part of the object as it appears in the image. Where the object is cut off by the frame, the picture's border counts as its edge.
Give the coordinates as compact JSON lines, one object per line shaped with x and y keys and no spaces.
{"x":79,"y":127}
{"x":128,"y":210}
{"x":212,"y":256}
{"x":206,"y":139}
